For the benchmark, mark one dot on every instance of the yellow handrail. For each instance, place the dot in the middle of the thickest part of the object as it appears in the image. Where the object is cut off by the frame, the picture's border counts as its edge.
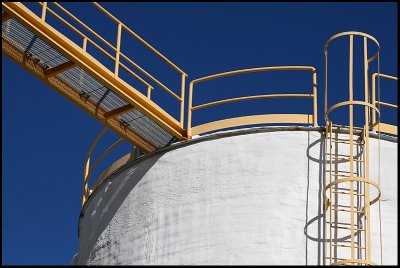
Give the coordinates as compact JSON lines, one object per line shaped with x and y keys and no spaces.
{"x":267,"y":96}
{"x":112,"y":17}
{"x":116,"y":49}
{"x":257,"y":119}
{"x":88,"y":170}
{"x":84,"y":25}
{"x":382,"y":127}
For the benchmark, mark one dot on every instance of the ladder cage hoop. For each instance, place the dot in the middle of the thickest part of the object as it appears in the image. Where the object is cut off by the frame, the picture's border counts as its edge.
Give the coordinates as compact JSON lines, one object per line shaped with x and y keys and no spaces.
{"x":353,"y":179}
{"x":348,"y":103}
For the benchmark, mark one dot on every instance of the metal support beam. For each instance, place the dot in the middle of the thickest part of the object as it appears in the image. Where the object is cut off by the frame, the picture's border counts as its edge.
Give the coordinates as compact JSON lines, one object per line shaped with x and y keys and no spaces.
{"x":59,"y":69}
{"x":118,"y":111}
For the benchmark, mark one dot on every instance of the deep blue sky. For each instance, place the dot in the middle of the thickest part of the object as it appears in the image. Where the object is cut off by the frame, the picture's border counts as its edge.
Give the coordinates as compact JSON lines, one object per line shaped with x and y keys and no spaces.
{"x":45,"y":137}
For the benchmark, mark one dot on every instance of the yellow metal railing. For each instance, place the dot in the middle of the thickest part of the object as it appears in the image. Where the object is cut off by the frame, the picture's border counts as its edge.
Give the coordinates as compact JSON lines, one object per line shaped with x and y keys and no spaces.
{"x":88,"y":169}
{"x":350,"y":204}
{"x":255,"y":119}
{"x":117,"y":50}
{"x":382,"y":127}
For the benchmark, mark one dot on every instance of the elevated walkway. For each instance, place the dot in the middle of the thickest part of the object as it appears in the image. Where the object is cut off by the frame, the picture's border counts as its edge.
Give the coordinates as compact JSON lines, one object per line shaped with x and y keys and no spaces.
{"x":69,"y":69}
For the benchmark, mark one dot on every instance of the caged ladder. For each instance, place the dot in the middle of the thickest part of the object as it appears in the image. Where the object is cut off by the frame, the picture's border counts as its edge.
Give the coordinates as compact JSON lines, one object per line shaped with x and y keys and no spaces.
{"x":348,"y":196}
{"x":349,"y":190}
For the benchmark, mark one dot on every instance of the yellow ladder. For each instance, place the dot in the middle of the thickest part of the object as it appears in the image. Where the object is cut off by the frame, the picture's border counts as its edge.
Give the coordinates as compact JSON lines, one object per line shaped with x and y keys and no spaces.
{"x":349,"y":189}
{"x":348,"y":197}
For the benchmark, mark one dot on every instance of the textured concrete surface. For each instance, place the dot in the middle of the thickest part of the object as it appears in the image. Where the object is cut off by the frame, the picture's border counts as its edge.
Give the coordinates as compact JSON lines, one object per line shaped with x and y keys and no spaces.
{"x":244,"y":199}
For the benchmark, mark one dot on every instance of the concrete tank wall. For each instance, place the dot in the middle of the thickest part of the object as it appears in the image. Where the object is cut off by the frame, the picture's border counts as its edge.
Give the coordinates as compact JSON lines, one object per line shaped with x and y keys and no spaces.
{"x":242,"y":197}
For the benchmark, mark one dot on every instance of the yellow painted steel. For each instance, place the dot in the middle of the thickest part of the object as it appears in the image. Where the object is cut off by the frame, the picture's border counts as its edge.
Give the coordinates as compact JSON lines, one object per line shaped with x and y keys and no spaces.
{"x":257,"y":119}
{"x":182,"y":99}
{"x":85,"y":189}
{"x":351,"y":144}
{"x":383,"y":127}
{"x":250,"y":120}
{"x":355,"y":261}
{"x":114,"y":166}
{"x":88,"y":170}
{"x":267,"y":96}
{"x":112,"y":17}
{"x":74,"y":96}
{"x":69,"y":14}
{"x":118,"y":111}
{"x":348,"y":103}
{"x":79,"y":55}
{"x":43,"y":18}
{"x":118,"y":50}
{"x":355,"y":182}
{"x":354,"y":179}
{"x":59,"y":69}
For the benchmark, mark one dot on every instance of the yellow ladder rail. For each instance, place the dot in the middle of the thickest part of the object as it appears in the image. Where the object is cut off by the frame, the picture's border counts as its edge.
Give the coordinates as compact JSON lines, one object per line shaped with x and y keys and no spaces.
{"x":347,"y":191}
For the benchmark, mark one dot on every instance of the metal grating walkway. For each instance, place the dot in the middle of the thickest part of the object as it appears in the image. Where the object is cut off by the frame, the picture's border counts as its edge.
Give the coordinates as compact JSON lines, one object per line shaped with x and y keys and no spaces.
{"x":18,"y":41}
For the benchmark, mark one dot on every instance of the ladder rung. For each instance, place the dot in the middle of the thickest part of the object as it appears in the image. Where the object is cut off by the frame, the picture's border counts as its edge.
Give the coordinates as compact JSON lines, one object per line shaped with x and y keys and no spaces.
{"x":337,"y":259}
{"x":345,"y":189}
{"x":343,"y":223}
{"x":340,"y":171}
{"x":347,"y":142}
{"x":342,"y":206}
{"x":346,"y":241}
{"x":346,"y":127}
{"x":346,"y":210}
{"x":357,"y":135}
{"x":338,"y":125}
{"x":347,"y":228}
{"x":341,"y":174}
{"x":333,"y":137}
{"x":346,"y":246}
{"x":346,"y":158}
{"x":339,"y":192}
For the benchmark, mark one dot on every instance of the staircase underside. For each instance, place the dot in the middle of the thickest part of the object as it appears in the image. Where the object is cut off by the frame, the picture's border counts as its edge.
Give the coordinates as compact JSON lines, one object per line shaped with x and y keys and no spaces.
{"x":130,"y":117}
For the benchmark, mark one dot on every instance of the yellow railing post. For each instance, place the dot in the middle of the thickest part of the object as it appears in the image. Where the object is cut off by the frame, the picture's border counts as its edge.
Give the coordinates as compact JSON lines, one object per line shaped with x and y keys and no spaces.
{"x":373,"y":97}
{"x":44,"y":9}
{"x":315,"y":114}
{"x":366,"y":155}
{"x":189,"y":124}
{"x":388,"y":128}
{"x":118,"y":50}
{"x":85,"y":191}
{"x":182,"y":117}
{"x":149,"y":88}
{"x":84,"y":45}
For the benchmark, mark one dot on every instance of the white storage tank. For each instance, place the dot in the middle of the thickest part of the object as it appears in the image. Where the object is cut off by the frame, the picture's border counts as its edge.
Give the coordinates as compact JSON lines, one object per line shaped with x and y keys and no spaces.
{"x":250,"y":196}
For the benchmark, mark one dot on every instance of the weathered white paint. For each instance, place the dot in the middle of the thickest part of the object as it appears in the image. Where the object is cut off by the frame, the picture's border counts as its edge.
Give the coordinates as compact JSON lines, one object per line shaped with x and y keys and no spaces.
{"x":240,"y":199}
